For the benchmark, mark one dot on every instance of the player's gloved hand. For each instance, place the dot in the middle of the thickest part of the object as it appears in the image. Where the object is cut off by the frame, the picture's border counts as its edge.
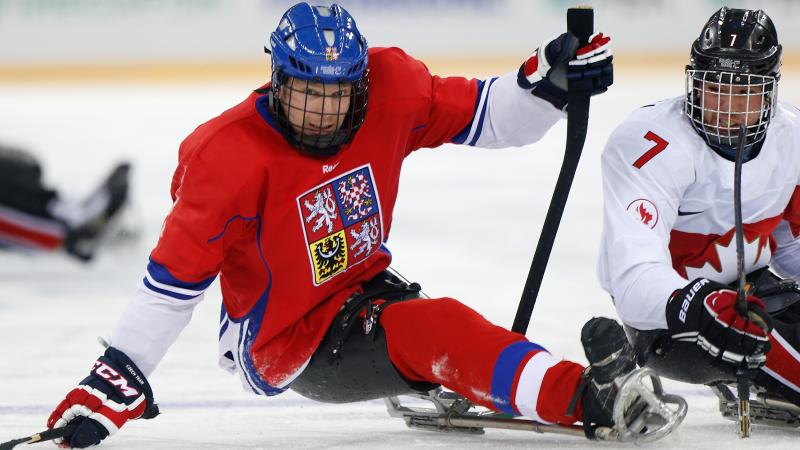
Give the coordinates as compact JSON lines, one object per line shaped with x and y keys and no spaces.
{"x":114,"y":392}
{"x":704,"y":312}
{"x":558,"y":59}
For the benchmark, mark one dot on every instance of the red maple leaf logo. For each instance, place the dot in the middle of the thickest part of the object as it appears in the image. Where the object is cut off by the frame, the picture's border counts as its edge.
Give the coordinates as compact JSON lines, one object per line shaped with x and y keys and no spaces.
{"x":646,"y":216}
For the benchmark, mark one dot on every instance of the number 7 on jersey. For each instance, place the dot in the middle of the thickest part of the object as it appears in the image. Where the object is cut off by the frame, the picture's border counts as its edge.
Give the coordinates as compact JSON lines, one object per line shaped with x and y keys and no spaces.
{"x":661,"y":144}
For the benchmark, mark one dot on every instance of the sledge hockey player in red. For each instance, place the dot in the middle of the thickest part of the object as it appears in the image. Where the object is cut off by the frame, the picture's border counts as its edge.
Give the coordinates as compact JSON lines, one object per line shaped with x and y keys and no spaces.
{"x":288,"y":198}
{"x":34,"y":217}
{"x":668,"y":254}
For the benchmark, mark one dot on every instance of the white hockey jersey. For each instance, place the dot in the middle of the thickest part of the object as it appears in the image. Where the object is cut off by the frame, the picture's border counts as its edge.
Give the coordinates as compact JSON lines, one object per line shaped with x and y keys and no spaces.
{"x":668,"y":209}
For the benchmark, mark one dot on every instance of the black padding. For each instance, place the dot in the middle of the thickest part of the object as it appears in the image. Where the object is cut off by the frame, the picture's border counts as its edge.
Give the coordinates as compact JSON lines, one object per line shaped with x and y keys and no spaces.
{"x":779,"y":295}
{"x":687,"y":362}
{"x":352,"y":362}
{"x":682,"y":361}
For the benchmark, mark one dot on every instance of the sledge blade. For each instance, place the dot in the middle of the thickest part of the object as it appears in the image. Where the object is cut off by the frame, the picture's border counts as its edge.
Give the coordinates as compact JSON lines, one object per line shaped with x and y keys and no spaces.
{"x":645,"y":413}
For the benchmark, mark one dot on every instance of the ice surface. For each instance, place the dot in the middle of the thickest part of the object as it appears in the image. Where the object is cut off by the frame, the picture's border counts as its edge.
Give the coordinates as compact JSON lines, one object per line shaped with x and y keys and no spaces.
{"x":466,"y":224}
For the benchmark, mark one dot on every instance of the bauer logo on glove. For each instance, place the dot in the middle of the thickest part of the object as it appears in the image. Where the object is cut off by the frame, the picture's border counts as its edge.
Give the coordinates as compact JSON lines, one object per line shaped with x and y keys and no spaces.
{"x":704,"y":313}
{"x":687,"y":300}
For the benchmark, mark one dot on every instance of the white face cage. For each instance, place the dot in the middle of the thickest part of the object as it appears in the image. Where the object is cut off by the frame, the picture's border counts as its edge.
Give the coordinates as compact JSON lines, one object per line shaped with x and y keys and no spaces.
{"x":718,"y":103}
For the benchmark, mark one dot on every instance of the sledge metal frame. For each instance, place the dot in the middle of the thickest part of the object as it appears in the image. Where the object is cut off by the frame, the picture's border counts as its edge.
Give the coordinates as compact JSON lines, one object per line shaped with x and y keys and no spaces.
{"x":764,"y":410}
{"x":649,"y":405}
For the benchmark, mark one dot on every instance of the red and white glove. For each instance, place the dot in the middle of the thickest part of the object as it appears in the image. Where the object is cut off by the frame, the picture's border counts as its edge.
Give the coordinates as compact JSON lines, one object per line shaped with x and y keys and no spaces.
{"x":589,"y":68}
{"x":597,"y":50}
{"x":704,"y":312}
{"x":114,"y":392}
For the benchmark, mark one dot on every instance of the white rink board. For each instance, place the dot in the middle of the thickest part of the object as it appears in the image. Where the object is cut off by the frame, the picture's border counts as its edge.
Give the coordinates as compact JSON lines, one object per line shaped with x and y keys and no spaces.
{"x":70,"y":32}
{"x":465,"y":226}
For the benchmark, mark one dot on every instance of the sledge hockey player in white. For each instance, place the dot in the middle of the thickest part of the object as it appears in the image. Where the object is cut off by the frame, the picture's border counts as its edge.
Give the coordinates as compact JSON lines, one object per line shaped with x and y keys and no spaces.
{"x":668,"y":254}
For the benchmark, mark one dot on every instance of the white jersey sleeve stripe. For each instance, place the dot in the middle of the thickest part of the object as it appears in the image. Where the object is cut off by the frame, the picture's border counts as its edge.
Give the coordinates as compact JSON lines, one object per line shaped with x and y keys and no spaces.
{"x":477,"y":121}
{"x":172,"y":289}
{"x":507,"y":115}
{"x":513,"y":117}
{"x":161,"y":283}
{"x":467,"y":135}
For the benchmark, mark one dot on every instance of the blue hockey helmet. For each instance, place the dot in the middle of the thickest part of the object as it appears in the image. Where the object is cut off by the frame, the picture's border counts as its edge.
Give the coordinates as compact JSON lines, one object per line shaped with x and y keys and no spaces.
{"x":318,"y":54}
{"x":319,"y":43}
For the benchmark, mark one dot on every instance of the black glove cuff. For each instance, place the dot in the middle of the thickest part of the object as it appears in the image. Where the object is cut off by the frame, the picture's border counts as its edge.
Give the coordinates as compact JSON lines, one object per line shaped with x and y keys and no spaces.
{"x":127,"y":368}
{"x":682,"y":310}
{"x":543,"y":89}
{"x":547,"y":91}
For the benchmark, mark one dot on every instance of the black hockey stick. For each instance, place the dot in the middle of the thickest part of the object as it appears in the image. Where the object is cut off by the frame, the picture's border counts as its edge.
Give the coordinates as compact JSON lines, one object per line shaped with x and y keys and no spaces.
{"x":580,"y":22}
{"x":46,"y":435}
{"x":742,"y":380}
{"x":743,"y":376}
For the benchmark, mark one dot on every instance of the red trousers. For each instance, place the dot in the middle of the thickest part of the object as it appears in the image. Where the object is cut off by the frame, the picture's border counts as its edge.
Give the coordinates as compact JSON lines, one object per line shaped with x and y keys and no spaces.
{"x":445,"y":342}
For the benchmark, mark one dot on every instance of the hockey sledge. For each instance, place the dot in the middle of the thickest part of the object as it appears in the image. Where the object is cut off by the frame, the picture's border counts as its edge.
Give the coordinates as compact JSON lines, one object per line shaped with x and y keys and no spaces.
{"x":643,"y":412}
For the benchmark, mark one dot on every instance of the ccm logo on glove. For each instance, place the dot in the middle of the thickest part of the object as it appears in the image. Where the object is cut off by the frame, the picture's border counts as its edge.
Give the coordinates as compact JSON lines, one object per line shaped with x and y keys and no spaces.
{"x":113,"y":377}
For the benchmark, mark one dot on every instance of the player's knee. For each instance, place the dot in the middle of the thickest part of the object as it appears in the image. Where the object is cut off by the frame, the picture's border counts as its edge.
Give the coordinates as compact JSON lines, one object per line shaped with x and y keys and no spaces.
{"x":439,"y":307}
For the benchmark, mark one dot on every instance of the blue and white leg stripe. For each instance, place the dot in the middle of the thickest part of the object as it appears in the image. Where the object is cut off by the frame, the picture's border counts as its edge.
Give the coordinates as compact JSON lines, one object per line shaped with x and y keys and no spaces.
{"x":517,"y":378}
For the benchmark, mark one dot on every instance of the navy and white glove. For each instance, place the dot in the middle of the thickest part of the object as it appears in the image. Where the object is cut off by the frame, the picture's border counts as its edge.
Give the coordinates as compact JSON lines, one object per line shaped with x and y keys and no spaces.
{"x":114,"y":392}
{"x":704,"y":312}
{"x":589,"y":68}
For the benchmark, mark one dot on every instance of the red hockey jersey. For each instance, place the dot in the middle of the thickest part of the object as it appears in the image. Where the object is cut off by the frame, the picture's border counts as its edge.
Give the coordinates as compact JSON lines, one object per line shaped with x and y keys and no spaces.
{"x":292,"y":236}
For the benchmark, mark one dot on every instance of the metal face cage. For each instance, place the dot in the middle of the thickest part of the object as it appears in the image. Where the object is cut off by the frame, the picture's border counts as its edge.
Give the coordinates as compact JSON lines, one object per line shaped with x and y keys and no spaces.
{"x":717,"y":103}
{"x":318,"y":118}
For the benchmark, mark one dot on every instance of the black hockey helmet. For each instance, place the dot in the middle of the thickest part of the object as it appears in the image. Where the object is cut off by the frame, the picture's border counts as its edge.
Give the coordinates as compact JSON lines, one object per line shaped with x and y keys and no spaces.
{"x":736,"y":47}
{"x":738,"y":40}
